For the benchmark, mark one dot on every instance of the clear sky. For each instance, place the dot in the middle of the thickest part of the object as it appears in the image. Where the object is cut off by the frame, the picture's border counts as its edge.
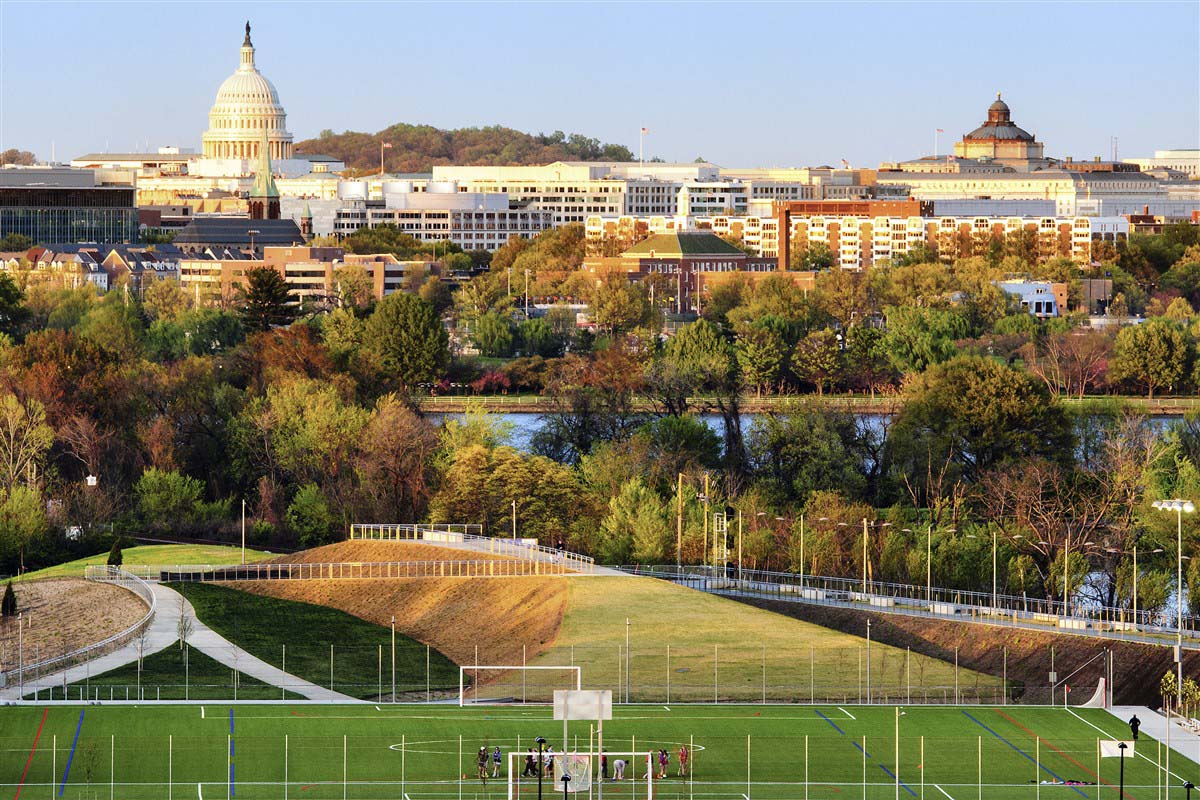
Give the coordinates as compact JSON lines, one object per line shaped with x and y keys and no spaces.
{"x":741,"y":84}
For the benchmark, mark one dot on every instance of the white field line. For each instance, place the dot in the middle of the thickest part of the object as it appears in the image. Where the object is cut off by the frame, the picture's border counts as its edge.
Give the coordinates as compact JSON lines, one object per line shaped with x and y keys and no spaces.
{"x":1136,"y":752}
{"x":943,"y":791}
{"x":199,"y":791}
{"x":847,"y":713}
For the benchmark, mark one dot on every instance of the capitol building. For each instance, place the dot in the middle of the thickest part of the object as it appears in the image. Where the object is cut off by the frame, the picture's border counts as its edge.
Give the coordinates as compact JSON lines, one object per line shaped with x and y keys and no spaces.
{"x":247,"y":104}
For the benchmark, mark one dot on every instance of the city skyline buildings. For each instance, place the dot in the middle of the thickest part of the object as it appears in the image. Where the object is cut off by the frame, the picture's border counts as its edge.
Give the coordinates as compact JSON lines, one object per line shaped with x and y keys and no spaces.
{"x":773,"y":85}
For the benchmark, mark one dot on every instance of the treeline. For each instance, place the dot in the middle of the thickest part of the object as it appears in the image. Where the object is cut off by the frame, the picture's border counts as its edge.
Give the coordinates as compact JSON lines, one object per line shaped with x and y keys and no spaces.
{"x":418,"y":148}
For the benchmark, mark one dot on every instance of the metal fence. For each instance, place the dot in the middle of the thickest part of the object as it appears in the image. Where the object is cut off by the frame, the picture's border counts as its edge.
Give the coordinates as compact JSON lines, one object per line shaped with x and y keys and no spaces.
{"x":452,"y":536}
{"x":997,"y":609}
{"x":47,"y":666}
{"x":355,"y":570}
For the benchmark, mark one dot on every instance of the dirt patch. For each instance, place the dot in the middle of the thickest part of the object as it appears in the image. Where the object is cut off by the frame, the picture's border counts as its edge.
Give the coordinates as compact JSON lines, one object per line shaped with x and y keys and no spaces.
{"x":375,"y":552}
{"x":453,"y":615}
{"x":1137,"y":668}
{"x":65,"y":614}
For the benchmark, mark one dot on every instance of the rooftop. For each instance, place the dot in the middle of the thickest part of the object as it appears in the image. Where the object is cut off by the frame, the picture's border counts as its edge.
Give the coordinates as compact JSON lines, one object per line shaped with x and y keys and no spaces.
{"x":684,"y":243}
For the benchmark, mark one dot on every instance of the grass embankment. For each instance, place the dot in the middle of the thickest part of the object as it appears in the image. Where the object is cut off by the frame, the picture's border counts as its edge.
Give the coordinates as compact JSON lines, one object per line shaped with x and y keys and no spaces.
{"x":764,"y":752}
{"x":360,"y":550}
{"x":263,"y":626}
{"x":713,"y":638}
{"x":166,"y":554}
{"x":171,"y":675}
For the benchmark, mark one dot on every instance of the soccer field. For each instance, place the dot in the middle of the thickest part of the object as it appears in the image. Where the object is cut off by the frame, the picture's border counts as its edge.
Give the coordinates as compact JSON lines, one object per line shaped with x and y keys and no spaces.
{"x":770,"y":752}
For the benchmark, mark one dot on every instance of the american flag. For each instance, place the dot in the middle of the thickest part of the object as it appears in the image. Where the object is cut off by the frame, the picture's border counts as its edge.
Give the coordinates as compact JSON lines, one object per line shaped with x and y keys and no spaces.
{"x":645,"y":130}
{"x":845,"y":164}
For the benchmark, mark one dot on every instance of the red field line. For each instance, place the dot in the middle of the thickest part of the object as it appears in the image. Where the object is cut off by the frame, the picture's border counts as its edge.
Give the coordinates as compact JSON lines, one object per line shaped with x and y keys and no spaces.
{"x":1060,"y":752}
{"x":32,"y":750}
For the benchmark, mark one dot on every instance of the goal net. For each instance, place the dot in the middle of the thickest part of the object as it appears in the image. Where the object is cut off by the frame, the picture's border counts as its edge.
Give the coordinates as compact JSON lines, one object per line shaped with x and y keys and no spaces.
{"x":626,"y":771}
{"x":505,"y":684}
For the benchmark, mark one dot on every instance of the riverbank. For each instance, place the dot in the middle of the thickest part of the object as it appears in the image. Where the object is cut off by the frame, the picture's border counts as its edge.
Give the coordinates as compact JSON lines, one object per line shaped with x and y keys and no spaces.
{"x":859,"y":403}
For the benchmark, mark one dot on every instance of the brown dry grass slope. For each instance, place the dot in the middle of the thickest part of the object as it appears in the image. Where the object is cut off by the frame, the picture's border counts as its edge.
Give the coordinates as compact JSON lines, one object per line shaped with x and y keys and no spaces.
{"x":454,"y":615}
{"x":359,"y":551}
{"x":65,"y":614}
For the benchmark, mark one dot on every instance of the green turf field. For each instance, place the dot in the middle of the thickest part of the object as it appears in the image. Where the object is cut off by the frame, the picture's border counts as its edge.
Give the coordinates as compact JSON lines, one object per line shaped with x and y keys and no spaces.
{"x":768,"y":752}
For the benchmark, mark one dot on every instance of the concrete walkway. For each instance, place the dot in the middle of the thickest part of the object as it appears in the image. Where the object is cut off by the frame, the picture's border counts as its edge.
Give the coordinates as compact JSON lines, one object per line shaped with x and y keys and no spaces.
{"x":1183,"y":741}
{"x":532,"y":555}
{"x":162,"y":633}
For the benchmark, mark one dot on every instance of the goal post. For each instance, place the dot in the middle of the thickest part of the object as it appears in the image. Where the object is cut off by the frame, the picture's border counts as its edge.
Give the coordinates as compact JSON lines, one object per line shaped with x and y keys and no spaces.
{"x":585,"y":771}
{"x":495,"y":684}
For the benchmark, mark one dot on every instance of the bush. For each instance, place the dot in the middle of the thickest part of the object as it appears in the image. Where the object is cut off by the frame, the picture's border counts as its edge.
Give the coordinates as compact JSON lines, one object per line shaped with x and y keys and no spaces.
{"x":167,"y":498}
{"x":115,"y":558}
{"x":309,"y":518}
{"x":8,"y":607}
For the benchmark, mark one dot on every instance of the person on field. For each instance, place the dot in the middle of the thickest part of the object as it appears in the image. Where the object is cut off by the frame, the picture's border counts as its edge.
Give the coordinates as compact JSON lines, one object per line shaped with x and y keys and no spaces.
{"x":496,"y":759}
{"x":530,"y":765}
{"x":603,"y":766}
{"x":482,"y":762}
{"x":664,"y":763}
{"x":683,"y":760}
{"x":619,"y":769}
{"x":1134,"y":724}
{"x":549,"y":763}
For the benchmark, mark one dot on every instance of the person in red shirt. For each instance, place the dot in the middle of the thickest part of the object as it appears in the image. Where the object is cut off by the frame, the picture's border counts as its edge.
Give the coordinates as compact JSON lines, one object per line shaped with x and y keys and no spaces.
{"x":683,"y":760}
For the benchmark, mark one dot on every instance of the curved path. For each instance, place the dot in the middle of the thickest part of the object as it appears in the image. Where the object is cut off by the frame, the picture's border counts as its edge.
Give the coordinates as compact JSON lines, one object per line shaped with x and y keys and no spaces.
{"x":162,"y":633}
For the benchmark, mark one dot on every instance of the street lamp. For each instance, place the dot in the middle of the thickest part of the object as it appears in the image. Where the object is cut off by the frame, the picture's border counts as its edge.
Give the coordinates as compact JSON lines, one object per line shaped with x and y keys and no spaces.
{"x":252,"y":233}
{"x":1180,"y":507}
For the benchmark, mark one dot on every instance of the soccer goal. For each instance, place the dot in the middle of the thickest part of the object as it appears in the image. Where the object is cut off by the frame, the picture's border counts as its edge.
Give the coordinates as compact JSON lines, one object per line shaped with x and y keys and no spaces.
{"x":635,"y":776}
{"x":503,"y":684}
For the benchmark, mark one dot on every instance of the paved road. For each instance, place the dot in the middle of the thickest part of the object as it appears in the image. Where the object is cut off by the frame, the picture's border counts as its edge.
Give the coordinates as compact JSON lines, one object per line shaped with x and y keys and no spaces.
{"x":162,"y":633}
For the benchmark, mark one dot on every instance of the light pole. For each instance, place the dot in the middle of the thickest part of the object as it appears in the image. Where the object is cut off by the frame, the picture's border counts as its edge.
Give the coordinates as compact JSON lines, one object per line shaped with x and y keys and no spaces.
{"x":1180,"y":507}
{"x":704,"y":499}
{"x":252,"y":233}
{"x":679,"y":523}
{"x":865,"y":581}
{"x":541,"y":765}
{"x":1122,"y":747}
{"x":526,"y":294}
{"x":514,"y":520}
{"x":243,"y":530}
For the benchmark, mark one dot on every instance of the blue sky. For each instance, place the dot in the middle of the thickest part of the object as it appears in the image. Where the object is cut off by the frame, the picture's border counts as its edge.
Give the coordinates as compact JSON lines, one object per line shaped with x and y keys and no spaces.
{"x":742,"y":84}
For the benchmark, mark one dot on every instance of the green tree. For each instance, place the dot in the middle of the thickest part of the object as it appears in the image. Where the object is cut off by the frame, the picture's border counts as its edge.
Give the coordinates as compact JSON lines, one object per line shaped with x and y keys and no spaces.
{"x":818,"y":359}
{"x":115,"y":557}
{"x":408,"y":338}
{"x":1154,"y":355}
{"x":762,"y":356}
{"x":14,"y":242}
{"x":165,"y":300}
{"x":817,"y":256}
{"x":309,"y":517}
{"x":8,"y":607}
{"x":493,"y":335}
{"x":25,"y":440}
{"x":803,"y":450}
{"x":537,"y":338}
{"x":22,"y":521}
{"x":917,"y":338}
{"x":13,"y":314}
{"x":265,"y":301}
{"x":635,"y":527}
{"x":970,"y":414}
{"x":165,"y":497}
{"x":618,"y":305}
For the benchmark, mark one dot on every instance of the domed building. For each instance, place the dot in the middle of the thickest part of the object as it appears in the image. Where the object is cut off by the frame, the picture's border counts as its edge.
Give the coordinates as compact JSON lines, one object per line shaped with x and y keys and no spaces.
{"x":247,"y":105}
{"x":1001,"y":140}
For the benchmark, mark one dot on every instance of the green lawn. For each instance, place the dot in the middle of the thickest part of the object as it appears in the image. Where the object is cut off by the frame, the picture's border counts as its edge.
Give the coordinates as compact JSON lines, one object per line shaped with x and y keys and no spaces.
{"x":155,"y":554}
{"x":712,"y":637}
{"x":170,"y":675}
{"x":361,"y":651}
{"x":946,"y":753}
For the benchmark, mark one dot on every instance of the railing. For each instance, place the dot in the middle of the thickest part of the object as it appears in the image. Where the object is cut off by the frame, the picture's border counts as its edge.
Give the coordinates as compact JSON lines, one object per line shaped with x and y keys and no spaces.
{"x":445,"y":536}
{"x":358,"y":570}
{"x":999,"y":609}
{"x":118,"y":577}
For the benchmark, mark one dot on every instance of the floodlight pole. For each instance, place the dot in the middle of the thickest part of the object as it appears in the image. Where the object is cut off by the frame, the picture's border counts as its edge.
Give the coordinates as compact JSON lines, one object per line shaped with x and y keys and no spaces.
{"x":929,"y":563}
{"x":393,"y":658}
{"x":243,"y":530}
{"x":541,"y":765}
{"x":1179,"y":507}
{"x":678,"y":532}
{"x":1122,"y":746}
{"x":514,"y":519}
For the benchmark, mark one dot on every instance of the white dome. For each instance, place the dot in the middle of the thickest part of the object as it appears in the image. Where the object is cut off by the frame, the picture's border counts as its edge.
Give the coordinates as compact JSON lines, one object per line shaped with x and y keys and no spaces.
{"x":247,"y":105}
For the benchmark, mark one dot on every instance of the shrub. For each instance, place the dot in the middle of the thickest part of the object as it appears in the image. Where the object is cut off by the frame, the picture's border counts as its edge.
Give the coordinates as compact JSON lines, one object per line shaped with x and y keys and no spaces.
{"x":115,"y":557}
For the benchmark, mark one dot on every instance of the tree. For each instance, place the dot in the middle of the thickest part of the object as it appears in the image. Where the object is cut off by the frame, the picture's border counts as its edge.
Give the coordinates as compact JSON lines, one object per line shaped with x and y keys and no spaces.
{"x":974,"y":413}
{"x":494,"y":335}
{"x":805,"y":449}
{"x":265,"y":300}
{"x":1155,"y":354}
{"x":917,"y":338}
{"x":356,"y":289}
{"x":165,"y":300}
{"x":818,"y":359}
{"x":13,"y":314}
{"x":817,"y":256}
{"x":8,"y":607}
{"x":537,"y":338}
{"x":762,"y":355}
{"x":165,"y":498}
{"x":14,"y":242}
{"x":1071,"y":362}
{"x":408,"y":338}
{"x":635,"y":527}
{"x":115,"y":557}
{"x":25,"y":439}
{"x":309,"y":517}
{"x":618,"y":305}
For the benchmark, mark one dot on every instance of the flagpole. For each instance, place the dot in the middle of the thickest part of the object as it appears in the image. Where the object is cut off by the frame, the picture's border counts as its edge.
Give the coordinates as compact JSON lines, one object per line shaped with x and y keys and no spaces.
{"x":935,"y":142}
{"x":641,"y":142}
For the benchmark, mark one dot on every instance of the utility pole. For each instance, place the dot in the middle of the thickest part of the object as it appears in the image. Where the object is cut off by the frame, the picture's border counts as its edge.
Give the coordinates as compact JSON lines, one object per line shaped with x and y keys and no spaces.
{"x":679,"y":524}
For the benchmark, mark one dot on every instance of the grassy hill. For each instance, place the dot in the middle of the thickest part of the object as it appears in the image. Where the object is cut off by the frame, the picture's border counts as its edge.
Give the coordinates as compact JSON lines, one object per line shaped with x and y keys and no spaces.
{"x":154,"y":554}
{"x":417,"y":148}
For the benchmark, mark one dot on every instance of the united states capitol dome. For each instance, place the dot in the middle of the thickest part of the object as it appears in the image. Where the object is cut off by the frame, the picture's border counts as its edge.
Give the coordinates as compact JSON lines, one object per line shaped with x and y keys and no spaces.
{"x":246,"y":105}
